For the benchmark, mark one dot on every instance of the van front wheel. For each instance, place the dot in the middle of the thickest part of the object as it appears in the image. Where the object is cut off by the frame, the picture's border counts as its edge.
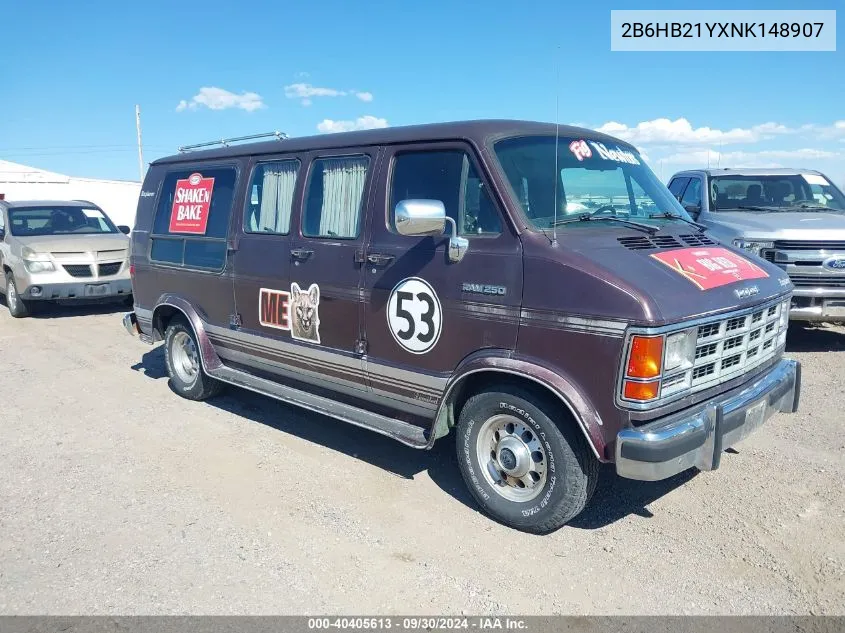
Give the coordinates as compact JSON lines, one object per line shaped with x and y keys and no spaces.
{"x":181,"y":354}
{"x":523,"y":469}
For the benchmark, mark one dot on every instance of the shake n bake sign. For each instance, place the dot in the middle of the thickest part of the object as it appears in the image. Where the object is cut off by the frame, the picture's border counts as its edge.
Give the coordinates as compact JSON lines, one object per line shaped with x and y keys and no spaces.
{"x":191,"y":203}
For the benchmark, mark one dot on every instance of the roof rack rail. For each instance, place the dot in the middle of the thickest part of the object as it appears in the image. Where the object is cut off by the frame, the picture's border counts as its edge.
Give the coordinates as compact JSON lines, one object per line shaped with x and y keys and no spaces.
{"x":237,"y":139}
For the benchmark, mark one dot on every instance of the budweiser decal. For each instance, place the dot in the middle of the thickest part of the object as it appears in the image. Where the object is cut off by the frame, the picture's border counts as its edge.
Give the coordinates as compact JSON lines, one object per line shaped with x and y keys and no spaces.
{"x":191,"y":203}
{"x":710,"y":267}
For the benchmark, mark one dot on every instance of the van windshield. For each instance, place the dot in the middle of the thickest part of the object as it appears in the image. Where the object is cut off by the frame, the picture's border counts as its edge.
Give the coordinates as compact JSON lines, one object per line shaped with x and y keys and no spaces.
{"x":36,"y":221}
{"x":790,"y":192}
{"x":594,"y":177}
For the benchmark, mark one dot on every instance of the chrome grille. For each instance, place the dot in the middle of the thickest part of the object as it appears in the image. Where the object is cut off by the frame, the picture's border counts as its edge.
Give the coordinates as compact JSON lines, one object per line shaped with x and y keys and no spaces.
{"x":811,"y":281}
{"x":810,"y":245}
{"x":732,"y":346}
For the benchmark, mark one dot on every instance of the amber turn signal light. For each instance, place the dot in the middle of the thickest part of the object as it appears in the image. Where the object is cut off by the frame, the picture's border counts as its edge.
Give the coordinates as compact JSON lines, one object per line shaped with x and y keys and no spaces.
{"x":645,"y":357}
{"x":641,"y":391}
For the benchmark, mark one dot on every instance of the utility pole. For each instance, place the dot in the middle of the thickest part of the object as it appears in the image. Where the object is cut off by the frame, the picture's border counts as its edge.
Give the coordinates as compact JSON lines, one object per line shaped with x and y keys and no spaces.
{"x":140,"y":152}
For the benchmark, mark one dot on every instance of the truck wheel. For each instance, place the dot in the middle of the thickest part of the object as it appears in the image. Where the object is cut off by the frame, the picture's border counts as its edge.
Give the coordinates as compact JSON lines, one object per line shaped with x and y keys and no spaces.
{"x":523,"y":469}
{"x":18,"y":308}
{"x":181,"y":353}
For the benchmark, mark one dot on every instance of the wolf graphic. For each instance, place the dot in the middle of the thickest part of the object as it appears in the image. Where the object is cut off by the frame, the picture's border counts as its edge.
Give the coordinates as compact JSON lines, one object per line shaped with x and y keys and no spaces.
{"x":304,"y":310}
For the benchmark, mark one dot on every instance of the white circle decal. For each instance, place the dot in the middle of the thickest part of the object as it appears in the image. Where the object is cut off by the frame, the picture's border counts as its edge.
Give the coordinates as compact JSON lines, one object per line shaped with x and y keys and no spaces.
{"x":414,"y":315}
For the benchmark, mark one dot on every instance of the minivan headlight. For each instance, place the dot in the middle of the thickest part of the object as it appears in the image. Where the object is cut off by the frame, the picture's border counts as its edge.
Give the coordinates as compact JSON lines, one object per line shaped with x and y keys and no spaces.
{"x":36,"y":262}
{"x":752,"y":246}
{"x":680,"y":350}
{"x":39,"y":266}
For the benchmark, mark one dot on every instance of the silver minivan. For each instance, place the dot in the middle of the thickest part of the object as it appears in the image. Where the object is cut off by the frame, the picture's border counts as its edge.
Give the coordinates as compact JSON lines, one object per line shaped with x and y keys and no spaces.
{"x":794,"y":218}
{"x":62,"y":251}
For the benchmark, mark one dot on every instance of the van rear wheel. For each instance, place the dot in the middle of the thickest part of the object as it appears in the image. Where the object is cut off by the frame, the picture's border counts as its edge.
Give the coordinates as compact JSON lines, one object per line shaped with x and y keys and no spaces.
{"x":524,"y":470}
{"x":181,"y":354}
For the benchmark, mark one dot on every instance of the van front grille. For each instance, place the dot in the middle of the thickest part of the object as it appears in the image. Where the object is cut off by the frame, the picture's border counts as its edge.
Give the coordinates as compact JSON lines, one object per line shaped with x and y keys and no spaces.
{"x":733,"y":346}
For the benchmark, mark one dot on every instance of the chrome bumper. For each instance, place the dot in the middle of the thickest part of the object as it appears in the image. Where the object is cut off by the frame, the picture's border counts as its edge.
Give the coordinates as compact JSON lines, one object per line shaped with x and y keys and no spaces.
{"x":697,"y":438}
{"x":130,"y":324}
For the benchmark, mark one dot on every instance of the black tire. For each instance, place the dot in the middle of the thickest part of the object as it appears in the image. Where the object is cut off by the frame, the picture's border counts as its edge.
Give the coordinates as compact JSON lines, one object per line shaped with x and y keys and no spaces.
{"x":571,"y":469}
{"x":200,"y":386}
{"x":18,"y":308}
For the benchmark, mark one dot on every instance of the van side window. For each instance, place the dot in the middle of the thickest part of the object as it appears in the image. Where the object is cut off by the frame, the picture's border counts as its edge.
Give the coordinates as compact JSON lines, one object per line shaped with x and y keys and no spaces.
{"x":450,"y":177}
{"x":333,"y":201}
{"x":270,"y":197}
{"x":192,"y":218}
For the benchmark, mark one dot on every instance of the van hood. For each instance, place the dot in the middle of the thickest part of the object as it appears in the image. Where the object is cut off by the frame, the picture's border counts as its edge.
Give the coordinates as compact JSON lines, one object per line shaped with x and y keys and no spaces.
{"x":786,"y":225}
{"x":651,"y":280}
{"x":75,"y":243}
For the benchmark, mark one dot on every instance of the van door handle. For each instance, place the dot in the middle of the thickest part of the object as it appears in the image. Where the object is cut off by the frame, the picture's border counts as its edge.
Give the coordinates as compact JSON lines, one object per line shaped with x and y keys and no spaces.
{"x":301,"y":253}
{"x":377,"y":259}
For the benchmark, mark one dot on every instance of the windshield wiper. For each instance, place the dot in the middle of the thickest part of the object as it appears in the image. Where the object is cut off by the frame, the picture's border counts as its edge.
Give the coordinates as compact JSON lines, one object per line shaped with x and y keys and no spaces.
{"x":668,"y":215}
{"x":815,"y":207}
{"x":754,"y":208}
{"x":586,"y":217}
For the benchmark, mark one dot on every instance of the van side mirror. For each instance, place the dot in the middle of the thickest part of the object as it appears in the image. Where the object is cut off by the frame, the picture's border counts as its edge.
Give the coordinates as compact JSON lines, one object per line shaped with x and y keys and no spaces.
{"x":2,"y":233}
{"x":123,"y":229}
{"x":428,"y":217}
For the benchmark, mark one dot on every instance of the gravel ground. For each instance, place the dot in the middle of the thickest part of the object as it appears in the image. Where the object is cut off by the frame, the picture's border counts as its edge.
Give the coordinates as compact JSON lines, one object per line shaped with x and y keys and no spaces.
{"x":118,"y":497}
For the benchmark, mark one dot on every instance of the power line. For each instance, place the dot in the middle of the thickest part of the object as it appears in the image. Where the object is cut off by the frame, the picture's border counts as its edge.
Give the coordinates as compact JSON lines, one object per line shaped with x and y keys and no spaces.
{"x":63,"y":147}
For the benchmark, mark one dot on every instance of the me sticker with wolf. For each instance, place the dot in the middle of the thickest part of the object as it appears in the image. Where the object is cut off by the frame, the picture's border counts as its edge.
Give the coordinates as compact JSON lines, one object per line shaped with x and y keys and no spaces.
{"x":414,"y":315}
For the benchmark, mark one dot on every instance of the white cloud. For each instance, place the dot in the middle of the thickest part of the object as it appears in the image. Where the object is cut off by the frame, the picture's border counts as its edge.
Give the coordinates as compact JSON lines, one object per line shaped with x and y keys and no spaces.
{"x":219,"y":99}
{"x":366,"y":122}
{"x":839,"y":125}
{"x":681,"y":131}
{"x":306,"y":92}
{"x":765,"y":158}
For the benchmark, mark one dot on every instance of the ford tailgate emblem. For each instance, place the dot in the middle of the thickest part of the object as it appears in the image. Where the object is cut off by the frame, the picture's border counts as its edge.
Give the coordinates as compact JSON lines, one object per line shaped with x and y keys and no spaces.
{"x":837,"y":262}
{"x":748,"y":291}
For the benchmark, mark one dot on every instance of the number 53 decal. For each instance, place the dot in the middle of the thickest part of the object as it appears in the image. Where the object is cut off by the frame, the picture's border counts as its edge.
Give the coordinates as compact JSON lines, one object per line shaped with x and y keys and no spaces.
{"x":414,"y":315}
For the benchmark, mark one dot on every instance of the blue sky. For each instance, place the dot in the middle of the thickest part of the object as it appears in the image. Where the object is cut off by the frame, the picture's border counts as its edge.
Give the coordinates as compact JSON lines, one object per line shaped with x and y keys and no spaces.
{"x":70,"y":77}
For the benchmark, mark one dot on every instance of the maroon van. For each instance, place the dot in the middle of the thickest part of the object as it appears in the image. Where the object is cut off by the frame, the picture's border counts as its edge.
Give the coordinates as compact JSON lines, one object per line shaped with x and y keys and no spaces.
{"x":534,"y":286}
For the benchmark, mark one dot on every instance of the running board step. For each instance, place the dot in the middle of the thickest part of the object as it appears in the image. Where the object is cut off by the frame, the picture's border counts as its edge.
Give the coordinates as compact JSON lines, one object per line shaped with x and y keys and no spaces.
{"x":408,"y":434}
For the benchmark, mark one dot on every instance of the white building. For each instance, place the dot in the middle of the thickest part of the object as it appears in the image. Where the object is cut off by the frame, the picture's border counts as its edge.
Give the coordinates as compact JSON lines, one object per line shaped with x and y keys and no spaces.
{"x":118,"y":198}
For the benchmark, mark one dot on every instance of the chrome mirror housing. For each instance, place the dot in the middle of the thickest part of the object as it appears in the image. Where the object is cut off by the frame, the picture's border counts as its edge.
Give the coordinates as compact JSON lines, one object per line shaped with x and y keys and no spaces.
{"x":419,"y":217}
{"x":428,"y":217}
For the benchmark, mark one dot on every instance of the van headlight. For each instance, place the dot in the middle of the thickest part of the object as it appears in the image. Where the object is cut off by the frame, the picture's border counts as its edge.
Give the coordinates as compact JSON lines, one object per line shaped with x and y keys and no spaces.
{"x":680,"y":350}
{"x":753,"y":246}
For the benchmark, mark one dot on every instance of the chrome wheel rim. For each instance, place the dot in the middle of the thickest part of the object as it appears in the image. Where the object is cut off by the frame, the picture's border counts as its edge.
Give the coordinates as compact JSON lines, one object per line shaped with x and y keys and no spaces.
{"x":512,"y":458}
{"x":185,"y":360}
{"x":12,"y":296}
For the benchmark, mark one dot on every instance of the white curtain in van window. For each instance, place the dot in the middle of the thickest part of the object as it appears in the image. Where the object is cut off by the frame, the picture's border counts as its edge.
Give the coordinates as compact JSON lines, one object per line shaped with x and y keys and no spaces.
{"x":277,"y":197}
{"x":343,"y":185}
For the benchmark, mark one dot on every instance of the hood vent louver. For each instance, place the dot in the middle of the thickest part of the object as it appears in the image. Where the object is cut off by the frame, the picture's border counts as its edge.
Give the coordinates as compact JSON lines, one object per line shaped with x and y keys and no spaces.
{"x":643,"y":243}
{"x":699,"y":239}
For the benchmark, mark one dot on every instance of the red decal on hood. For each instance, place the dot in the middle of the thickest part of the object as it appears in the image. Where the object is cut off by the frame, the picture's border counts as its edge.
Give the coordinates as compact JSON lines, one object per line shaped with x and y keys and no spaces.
{"x":710,"y":267}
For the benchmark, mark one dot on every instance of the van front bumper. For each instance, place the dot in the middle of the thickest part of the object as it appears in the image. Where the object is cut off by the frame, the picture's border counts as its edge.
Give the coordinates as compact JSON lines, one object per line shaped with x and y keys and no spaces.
{"x":696,"y":438}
